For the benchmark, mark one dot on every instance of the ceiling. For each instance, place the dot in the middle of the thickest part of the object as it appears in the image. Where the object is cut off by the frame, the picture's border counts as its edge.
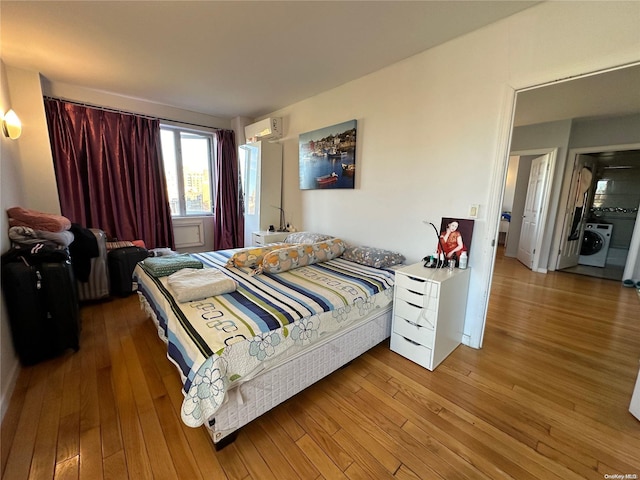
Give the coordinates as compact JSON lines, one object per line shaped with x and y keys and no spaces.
{"x":612,"y":93}
{"x":228,"y":58}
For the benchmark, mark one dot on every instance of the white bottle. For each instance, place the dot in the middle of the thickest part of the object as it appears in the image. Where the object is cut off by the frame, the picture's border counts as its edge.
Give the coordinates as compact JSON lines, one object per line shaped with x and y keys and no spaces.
{"x":463,"y":261}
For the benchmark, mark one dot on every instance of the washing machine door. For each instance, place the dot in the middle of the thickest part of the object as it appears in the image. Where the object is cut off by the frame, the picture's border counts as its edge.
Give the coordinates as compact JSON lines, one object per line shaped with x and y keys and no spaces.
{"x":592,"y":243}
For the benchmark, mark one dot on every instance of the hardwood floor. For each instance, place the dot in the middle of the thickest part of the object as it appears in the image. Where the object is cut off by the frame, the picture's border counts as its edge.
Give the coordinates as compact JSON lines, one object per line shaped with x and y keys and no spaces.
{"x":546,"y":398}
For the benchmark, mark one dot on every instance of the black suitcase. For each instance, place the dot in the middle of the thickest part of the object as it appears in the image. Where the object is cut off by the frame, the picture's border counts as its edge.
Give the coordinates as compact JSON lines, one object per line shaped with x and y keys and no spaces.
{"x":122,"y":262}
{"x":42,"y":303}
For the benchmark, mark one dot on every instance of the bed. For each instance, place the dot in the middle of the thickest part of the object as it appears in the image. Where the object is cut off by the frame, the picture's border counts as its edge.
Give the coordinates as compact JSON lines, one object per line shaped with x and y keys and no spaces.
{"x":242,"y":353}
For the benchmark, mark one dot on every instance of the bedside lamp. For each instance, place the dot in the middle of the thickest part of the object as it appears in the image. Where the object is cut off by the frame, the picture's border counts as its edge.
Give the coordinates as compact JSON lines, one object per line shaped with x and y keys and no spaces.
{"x":11,"y":125}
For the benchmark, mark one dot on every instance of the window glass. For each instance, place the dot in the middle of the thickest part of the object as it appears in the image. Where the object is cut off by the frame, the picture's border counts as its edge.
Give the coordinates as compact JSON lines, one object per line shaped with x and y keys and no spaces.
{"x":248,"y":161}
{"x":196,"y":172}
{"x":188,"y":160}
{"x":170,"y":169}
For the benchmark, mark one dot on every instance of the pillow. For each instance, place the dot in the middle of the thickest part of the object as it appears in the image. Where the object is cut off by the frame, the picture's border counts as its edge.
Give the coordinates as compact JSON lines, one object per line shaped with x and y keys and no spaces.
{"x":25,"y":217}
{"x":283,"y":259}
{"x":373,"y":257}
{"x":252,"y":257}
{"x":306,"y":237}
{"x":163,"y":266}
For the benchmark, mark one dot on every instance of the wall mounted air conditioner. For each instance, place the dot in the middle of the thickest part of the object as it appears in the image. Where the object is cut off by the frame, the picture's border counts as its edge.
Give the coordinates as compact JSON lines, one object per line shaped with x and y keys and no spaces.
{"x":267,"y":129}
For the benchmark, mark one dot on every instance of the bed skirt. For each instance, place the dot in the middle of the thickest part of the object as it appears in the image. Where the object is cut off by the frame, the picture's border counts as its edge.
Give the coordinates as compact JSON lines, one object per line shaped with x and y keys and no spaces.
{"x":253,"y":398}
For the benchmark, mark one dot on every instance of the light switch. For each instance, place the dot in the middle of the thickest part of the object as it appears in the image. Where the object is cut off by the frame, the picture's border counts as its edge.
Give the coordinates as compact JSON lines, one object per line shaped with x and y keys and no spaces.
{"x":473,"y":211}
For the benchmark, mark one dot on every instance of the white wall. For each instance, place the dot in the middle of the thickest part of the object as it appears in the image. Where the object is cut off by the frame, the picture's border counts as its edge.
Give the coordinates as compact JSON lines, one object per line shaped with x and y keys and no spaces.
{"x":622,"y":130}
{"x":433,"y":130}
{"x":523,"y":169}
{"x":510,"y":184}
{"x":41,"y":191}
{"x":11,"y":193}
{"x":129,"y":104}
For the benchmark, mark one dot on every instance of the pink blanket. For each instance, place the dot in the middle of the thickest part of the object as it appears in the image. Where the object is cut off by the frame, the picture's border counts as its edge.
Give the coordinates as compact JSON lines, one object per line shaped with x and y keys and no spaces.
{"x":23,"y":217}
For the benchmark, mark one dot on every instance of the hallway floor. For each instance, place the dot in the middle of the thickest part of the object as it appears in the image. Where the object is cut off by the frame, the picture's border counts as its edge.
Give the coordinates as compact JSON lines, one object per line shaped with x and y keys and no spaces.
{"x":610,"y":272}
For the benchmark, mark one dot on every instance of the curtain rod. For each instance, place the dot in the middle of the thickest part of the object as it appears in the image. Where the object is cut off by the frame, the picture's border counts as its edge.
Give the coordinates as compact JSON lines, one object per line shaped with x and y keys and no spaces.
{"x":125,"y":112}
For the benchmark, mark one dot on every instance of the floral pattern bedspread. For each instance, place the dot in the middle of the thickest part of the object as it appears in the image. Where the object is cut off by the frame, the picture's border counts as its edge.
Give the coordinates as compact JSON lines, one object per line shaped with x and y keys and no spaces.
{"x":219,"y":342}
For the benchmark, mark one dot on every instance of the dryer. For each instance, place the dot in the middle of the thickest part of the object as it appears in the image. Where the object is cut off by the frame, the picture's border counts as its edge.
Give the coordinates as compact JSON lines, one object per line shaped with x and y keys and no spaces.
{"x":595,"y":244}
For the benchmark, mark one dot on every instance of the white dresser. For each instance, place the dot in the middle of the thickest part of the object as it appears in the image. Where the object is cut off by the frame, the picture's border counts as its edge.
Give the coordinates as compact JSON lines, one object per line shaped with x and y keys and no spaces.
{"x":262,"y":238}
{"x":429,"y":307}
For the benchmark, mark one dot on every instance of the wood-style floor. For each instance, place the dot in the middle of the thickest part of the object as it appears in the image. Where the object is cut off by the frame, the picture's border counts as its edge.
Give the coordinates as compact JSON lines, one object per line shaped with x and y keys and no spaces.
{"x":546,"y":398}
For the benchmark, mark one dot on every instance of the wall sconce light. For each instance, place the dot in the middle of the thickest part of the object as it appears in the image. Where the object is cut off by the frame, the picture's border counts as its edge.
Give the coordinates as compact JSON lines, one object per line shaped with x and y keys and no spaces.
{"x":11,"y":125}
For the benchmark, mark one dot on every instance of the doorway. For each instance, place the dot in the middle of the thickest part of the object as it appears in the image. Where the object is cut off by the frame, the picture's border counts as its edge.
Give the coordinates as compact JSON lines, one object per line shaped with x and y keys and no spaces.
{"x":526,"y":205}
{"x":598,"y":108}
{"x":604,"y":237}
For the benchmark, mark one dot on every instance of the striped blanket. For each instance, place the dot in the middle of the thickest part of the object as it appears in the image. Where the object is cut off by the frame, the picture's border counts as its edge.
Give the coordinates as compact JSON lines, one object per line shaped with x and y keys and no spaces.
{"x":221,"y":341}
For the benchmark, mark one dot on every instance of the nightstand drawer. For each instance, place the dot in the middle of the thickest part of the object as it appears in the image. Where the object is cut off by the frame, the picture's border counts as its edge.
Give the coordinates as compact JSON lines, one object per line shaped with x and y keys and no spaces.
{"x":422,"y":335}
{"x":417,"y":285}
{"x":413,"y":313}
{"x":411,"y":350}
{"x":417,"y":299}
{"x":265,"y":238}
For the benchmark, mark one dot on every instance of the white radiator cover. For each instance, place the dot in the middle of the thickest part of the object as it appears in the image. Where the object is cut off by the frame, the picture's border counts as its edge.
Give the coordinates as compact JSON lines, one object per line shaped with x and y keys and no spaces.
{"x":188,"y":233}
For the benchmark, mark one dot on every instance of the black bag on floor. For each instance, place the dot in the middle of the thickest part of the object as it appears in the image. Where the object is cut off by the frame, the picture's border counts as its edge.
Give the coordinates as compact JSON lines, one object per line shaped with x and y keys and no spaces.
{"x":42,"y":303}
{"x":122,"y":262}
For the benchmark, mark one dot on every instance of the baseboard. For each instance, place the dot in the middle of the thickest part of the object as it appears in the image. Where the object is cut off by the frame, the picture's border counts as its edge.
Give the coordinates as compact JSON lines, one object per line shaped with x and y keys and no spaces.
{"x":9,"y":387}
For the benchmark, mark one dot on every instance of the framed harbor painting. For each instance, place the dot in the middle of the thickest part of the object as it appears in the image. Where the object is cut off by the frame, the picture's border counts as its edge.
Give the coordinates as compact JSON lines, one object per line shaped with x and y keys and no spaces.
{"x":328,"y":157}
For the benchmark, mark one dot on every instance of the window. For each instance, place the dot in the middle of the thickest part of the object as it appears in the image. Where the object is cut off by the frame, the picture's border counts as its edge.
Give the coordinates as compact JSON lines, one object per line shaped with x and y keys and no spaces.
{"x":188,"y":168}
{"x":602,"y":187}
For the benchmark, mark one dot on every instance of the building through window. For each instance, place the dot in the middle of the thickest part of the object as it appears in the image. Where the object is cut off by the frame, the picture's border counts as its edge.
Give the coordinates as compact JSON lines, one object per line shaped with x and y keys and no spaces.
{"x":188,"y":166}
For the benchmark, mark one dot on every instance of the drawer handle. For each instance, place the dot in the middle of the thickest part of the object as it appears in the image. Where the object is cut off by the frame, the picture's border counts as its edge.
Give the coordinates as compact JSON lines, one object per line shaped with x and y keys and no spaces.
{"x":411,"y":341}
{"x":416,"y":279}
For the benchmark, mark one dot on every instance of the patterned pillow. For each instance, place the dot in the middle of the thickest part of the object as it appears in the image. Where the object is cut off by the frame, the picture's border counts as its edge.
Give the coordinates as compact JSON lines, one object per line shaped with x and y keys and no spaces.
{"x":306,"y":237}
{"x":373,"y":257}
{"x":283,"y":259}
{"x":252,"y":257}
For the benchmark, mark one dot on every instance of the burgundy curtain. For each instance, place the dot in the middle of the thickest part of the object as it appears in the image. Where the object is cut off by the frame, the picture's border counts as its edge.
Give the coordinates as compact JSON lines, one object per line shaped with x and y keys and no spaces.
{"x":109,"y":172}
{"x":228,"y":230}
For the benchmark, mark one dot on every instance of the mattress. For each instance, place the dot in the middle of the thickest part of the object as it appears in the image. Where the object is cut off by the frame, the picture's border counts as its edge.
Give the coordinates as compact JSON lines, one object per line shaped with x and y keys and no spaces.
{"x":221,"y":342}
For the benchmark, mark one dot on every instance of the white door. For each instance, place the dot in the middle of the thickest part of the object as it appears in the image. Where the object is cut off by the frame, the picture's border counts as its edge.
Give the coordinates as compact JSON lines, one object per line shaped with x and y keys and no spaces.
{"x":575,"y":214}
{"x":249,"y":162}
{"x":530,"y":229}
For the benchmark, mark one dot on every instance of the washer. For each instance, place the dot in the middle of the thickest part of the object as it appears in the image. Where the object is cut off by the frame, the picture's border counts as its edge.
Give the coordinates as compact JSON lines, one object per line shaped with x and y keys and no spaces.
{"x":595,"y":244}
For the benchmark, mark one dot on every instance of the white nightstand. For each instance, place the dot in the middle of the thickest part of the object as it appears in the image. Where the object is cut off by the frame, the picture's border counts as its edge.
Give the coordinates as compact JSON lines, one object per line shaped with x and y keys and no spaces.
{"x":429,"y":307}
{"x":262,"y":238}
